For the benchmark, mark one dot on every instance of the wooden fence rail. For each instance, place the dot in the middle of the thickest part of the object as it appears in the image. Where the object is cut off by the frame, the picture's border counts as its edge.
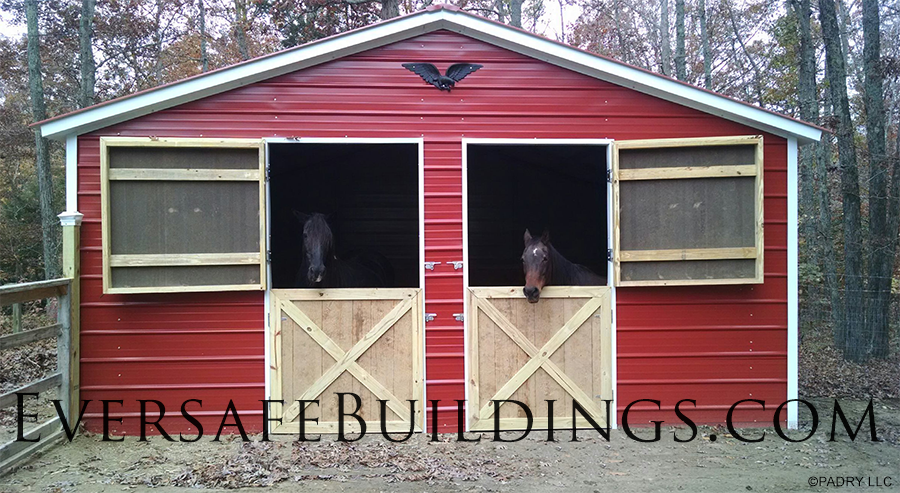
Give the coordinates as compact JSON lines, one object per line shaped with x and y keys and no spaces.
{"x":50,"y":431}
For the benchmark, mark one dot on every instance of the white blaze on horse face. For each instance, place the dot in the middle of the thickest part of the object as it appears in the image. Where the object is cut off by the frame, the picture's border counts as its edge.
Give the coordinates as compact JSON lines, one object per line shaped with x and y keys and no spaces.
{"x":535,"y":252}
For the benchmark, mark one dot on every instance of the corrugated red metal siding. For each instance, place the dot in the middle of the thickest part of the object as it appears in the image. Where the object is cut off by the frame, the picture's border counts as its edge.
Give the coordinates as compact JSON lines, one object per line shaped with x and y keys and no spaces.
{"x":716,"y":345}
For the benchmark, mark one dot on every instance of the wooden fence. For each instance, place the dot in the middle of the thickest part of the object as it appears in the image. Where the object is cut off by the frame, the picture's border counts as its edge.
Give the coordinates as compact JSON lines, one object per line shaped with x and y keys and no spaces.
{"x":50,"y":431}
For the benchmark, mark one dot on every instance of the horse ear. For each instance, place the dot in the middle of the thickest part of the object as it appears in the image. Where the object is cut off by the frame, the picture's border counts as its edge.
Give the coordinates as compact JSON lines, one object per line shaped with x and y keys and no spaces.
{"x":300,"y":216}
{"x":545,"y":237}
{"x":527,"y":236}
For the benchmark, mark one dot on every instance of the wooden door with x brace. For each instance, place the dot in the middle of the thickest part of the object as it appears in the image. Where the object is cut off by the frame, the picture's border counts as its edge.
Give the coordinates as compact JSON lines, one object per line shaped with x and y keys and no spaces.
{"x":362,"y":341}
{"x":559,"y":349}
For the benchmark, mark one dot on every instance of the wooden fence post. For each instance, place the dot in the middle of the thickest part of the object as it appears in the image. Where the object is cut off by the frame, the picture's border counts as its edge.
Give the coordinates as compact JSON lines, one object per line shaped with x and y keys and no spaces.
{"x":71,"y":226}
{"x":17,"y":318}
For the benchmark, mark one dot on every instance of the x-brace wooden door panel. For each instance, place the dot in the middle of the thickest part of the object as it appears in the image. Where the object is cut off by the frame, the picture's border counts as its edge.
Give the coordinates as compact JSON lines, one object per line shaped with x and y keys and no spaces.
{"x":559,"y":348}
{"x":363,"y":341}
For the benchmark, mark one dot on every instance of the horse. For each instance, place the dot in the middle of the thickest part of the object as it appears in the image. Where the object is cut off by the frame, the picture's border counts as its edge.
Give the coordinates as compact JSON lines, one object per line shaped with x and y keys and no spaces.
{"x":545,"y":266}
{"x":321,"y":267}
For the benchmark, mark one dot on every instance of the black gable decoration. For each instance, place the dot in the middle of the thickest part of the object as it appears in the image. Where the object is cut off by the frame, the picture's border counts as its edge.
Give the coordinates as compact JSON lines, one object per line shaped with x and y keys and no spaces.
{"x":430,"y":74}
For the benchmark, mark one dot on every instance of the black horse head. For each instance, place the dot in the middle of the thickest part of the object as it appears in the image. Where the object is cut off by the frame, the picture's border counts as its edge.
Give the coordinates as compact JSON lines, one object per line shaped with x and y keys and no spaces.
{"x":318,"y":244}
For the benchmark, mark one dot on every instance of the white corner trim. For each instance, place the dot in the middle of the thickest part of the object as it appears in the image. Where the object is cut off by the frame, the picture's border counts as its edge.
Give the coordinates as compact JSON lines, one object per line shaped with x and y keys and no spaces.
{"x":71,"y":172}
{"x":793,"y":325}
{"x":387,"y":32}
{"x":70,"y":218}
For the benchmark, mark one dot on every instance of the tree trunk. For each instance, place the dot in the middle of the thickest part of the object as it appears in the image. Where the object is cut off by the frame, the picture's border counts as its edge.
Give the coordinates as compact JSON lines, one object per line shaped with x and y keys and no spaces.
{"x":88,"y":67}
{"x":826,"y":223}
{"x":757,"y":76}
{"x":515,"y":13}
{"x":665,"y":49}
{"x":562,"y":21}
{"x":882,"y":346}
{"x":809,"y":111}
{"x":204,"y":54}
{"x":620,"y":39}
{"x":680,"y":69}
{"x":704,"y":45}
{"x":844,"y":23}
{"x":158,"y":43}
{"x":849,"y":333}
{"x":240,"y":26}
{"x":42,"y":165}
{"x":881,"y":257}
{"x":391,"y":9}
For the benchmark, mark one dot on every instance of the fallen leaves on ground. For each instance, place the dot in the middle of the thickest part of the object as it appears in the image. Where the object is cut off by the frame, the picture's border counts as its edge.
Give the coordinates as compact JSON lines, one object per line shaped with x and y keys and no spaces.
{"x":825,"y":373}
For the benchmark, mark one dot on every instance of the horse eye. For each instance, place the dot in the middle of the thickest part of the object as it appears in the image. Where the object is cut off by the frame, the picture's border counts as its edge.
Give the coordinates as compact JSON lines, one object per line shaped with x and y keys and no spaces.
{"x":544,"y":259}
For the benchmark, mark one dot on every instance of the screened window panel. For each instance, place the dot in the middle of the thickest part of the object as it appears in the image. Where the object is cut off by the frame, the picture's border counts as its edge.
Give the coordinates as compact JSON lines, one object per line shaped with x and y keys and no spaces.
{"x":182,"y":215}
{"x":688,"y":211}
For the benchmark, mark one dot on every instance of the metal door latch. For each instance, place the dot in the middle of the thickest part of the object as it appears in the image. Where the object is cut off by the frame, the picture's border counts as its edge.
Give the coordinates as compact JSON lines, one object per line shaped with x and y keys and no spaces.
{"x":430,"y":265}
{"x":430,"y":316}
{"x":457,"y":264}
{"x":459,"y":317}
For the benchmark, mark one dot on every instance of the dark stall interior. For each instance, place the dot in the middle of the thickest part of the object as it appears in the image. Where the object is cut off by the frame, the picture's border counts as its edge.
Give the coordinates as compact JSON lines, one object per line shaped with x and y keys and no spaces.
{"x":560,"y":188}
{"x":370,"y":193}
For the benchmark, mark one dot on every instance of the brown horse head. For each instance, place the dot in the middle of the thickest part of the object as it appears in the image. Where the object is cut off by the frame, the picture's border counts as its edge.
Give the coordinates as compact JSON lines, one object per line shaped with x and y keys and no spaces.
{"x":537,"y":265}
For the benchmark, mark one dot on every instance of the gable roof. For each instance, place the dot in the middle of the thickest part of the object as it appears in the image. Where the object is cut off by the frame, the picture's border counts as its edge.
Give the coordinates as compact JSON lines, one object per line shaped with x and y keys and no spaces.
{"x":434,"y":18}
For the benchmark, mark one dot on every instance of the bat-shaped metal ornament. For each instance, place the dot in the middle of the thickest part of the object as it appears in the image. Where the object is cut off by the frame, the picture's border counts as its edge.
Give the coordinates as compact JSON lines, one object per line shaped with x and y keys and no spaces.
{"x":430,"y":74}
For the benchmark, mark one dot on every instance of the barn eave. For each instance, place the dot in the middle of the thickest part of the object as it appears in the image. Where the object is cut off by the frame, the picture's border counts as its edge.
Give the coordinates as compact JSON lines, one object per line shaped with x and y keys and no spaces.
{"x":433,"y":19}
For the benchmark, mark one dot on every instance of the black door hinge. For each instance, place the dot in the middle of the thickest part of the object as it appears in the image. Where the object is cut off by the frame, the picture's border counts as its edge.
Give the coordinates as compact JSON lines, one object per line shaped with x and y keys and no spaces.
{"x":269,"y":256}
{"x":609,"y":256}
{"x":268,"y":172}
{"x":608,"y":175}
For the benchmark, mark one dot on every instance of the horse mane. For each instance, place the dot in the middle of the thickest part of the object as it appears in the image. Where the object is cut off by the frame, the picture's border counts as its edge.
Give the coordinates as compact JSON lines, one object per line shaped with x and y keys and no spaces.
{"x":566,"y":272}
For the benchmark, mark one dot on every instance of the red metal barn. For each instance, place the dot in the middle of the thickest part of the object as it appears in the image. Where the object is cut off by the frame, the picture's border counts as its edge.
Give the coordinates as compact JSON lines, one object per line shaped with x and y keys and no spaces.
{"x":684,"y":199}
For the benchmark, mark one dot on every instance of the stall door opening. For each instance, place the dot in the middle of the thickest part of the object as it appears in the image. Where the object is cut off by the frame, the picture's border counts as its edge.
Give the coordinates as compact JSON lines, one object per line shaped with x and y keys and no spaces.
{"x":360,"y":329}
{"x":559,"y":348}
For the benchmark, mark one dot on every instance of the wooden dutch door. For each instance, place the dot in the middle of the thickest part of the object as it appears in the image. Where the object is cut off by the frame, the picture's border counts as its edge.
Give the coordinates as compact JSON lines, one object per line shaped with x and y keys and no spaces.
{"x":557,"y":349}
{"x":365,"y":341}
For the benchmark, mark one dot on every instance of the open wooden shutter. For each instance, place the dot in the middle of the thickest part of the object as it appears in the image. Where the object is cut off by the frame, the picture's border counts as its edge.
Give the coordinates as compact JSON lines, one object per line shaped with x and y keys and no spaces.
{"x":688,"y":211}
{"x":181,"y":215}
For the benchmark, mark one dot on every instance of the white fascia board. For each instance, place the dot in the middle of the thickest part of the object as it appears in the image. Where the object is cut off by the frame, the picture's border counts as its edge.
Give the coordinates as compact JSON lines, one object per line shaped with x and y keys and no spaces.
{"x":241,"y":75}
{"x":626,"y":76}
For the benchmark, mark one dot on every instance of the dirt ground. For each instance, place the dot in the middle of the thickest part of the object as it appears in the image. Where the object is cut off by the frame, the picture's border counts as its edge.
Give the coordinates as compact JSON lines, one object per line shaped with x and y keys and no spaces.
{"x":373,"y":464}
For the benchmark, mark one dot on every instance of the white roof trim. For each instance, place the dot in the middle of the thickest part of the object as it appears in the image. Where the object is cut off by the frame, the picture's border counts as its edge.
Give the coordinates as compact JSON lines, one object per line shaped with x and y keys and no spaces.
{"x":413,"y":25}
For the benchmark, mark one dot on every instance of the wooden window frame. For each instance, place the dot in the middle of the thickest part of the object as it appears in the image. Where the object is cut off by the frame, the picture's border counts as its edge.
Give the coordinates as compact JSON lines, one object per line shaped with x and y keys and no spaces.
{"x":682,"y":172}
{"x":168,"y":174}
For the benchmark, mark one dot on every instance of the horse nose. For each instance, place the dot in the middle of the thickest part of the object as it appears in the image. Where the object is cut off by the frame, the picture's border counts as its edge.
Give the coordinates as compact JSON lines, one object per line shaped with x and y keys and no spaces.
{"x":316,"y":274}
{"x":532,"y":293}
